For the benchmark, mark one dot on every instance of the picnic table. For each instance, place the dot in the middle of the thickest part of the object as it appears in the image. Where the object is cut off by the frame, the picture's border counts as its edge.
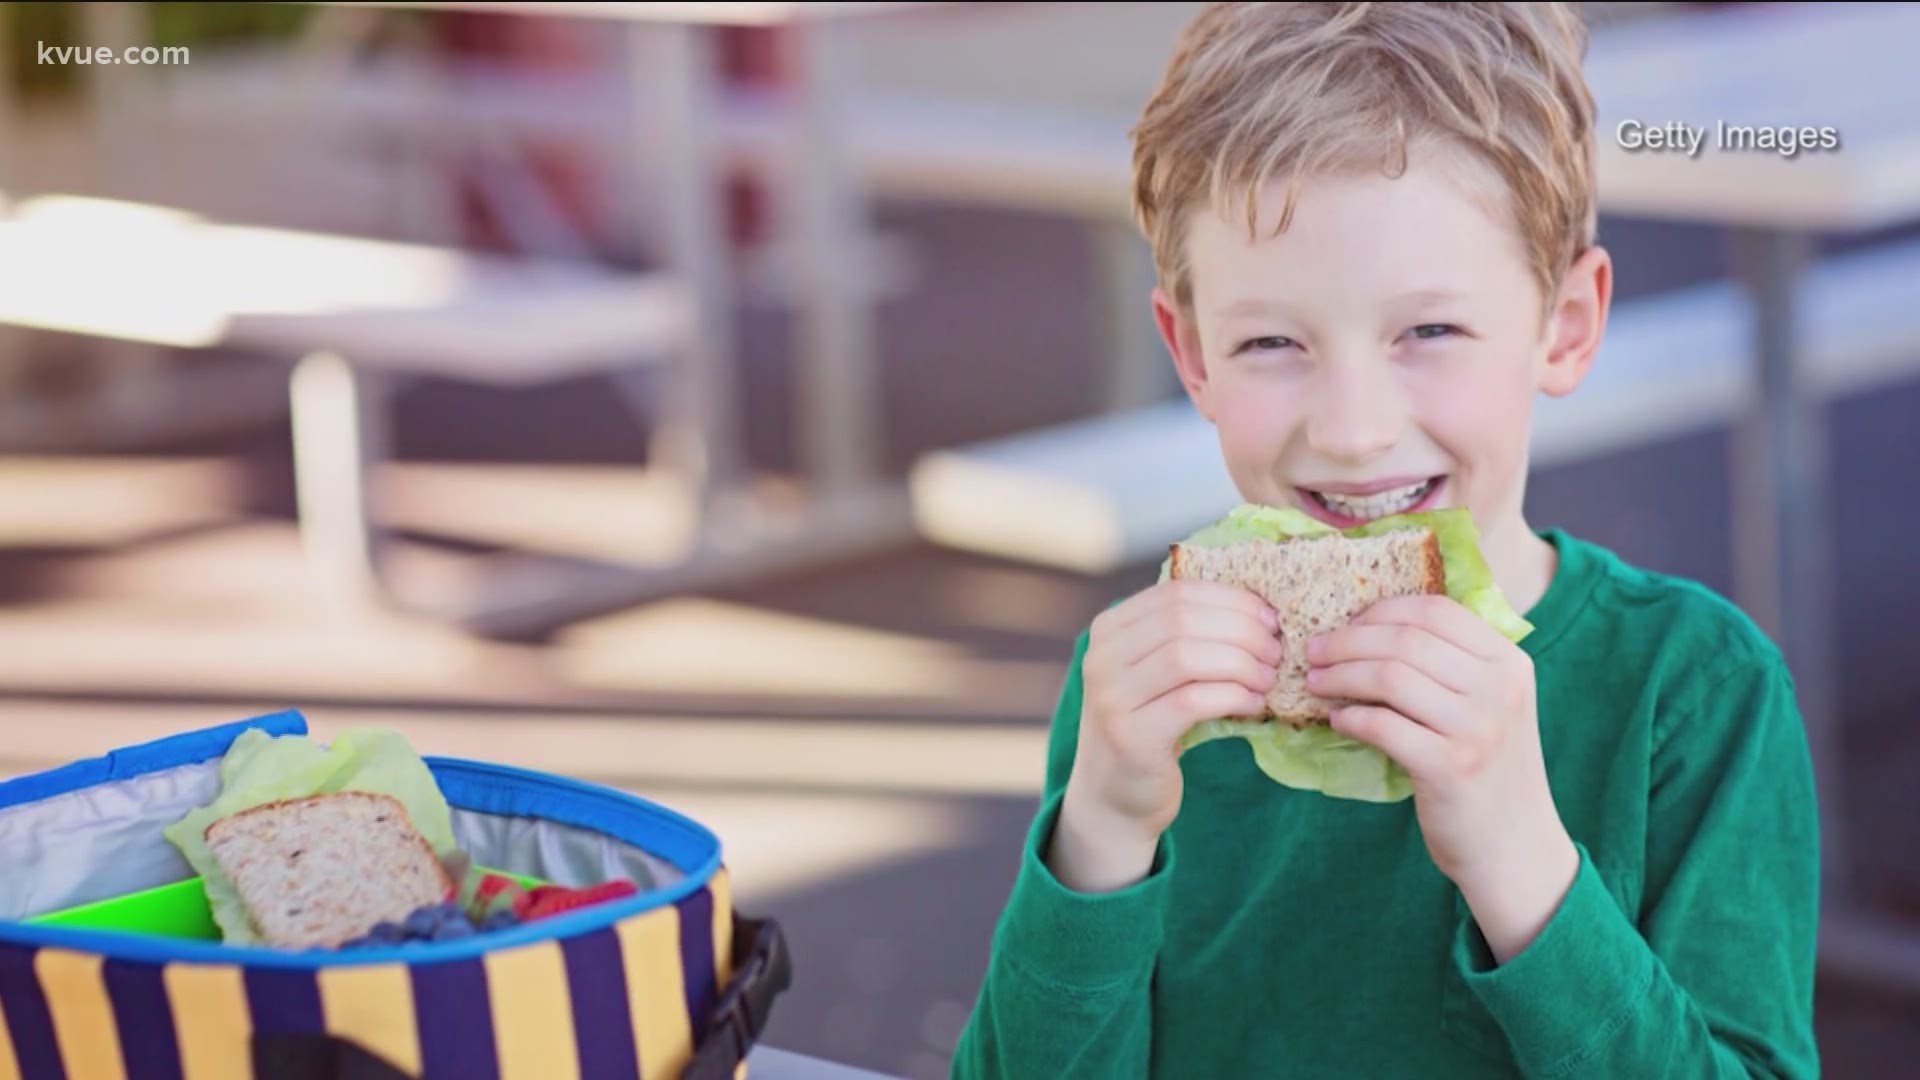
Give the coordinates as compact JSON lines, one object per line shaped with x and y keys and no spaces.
{"x":679,"y":92}
{"x":850,"y":507}
{"x":354,"y":315}
{"x":478,"y":328}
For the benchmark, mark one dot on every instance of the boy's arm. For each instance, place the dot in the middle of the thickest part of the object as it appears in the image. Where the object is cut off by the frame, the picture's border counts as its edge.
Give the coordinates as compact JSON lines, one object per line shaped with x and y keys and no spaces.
{"x":1716,"y":978}
{"x":1068,"y":982}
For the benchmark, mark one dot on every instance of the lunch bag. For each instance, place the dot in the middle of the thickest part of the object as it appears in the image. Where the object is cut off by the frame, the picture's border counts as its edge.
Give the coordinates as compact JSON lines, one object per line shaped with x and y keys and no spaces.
{"x":110,"y":966}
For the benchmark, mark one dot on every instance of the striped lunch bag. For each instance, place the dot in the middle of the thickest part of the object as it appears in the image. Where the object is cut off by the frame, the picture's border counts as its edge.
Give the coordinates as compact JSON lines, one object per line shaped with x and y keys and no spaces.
{"x":667,"y":983}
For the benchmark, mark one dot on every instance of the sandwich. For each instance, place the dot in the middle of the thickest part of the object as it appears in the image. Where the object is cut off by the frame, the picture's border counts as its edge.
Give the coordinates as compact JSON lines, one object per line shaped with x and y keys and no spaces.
{"x":1319,"y":578}
{"x":320,"y":871}
{"x":1317,"y":584}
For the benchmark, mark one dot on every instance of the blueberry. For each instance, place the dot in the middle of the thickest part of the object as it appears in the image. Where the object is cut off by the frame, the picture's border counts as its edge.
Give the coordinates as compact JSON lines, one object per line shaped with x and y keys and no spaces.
{"x":501,"y":920}
{"x":453,"y":929}
{"x":421,"y":923}
{"x":379,"y":934}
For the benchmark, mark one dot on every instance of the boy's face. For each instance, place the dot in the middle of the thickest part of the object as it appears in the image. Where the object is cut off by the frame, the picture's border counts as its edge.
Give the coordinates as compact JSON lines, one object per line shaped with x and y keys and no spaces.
{"x":1380,"y":356}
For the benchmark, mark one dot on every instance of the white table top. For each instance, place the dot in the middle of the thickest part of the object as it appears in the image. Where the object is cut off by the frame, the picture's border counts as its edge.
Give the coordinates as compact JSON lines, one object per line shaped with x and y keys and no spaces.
{"x":167,"y":277}
{"x":1845,"y":66}
{"x":712,"y":14}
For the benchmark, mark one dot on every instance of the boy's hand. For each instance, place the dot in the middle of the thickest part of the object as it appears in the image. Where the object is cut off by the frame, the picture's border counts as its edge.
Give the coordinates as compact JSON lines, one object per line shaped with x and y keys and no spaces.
{"x":1164,"y":660}
{"x":1452,"y":701}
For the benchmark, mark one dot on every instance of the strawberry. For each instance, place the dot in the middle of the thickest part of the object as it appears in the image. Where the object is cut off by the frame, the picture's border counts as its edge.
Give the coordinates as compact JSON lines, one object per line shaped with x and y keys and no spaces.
{"x":481,"y":894}
{"x":523,"y":904}
{"x":493,"y":885}
{"x":552,"y":900}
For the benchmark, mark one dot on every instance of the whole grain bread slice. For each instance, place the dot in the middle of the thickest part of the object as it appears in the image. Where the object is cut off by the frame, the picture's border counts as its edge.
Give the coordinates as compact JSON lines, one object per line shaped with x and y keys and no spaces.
{"x":320,"y":871}
{"x":1317,"y":584}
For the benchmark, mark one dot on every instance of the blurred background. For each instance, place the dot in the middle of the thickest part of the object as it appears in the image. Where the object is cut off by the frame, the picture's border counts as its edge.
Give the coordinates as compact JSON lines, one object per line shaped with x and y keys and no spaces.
{"x":746,"y":404}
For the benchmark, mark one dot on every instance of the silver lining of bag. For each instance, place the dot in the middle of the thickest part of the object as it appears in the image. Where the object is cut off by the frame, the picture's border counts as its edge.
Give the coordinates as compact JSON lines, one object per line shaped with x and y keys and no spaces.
{"x":105,"y":840}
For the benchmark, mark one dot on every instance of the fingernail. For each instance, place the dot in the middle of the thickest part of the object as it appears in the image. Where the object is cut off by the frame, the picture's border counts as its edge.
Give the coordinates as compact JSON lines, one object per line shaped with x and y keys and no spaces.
{"x":1316,"y":647}
{"x":1315,"y":676}
{"x":1270,"y":617}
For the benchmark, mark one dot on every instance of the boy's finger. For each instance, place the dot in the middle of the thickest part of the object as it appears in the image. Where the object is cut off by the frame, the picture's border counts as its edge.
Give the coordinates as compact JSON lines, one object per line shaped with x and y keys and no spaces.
{"x":1443,"y":616}
{"x":1197,"y":622}
{"x":1415,"y":748}
{"x":1436,"y":657}
{"x":1187,"y":660}
{"x":1177,"y":710}
{"x":1399,"y":686}
{"x":1171,"y":595}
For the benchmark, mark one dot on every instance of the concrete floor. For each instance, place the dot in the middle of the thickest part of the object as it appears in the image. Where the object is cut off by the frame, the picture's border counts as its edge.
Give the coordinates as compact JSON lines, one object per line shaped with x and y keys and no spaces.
{"x":866,"y":737}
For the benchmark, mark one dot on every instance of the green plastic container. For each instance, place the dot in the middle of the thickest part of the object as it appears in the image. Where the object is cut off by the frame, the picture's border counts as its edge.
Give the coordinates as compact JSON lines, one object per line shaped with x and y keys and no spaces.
{"x":179,"y":910}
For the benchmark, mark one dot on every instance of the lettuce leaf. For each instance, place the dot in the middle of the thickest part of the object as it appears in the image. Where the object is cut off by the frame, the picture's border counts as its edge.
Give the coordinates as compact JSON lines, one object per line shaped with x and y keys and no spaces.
{"x":259,"y":768}
{"x":1318,"y":758}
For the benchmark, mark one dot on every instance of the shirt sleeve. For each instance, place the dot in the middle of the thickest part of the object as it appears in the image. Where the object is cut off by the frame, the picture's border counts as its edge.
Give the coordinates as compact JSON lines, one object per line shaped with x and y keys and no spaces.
{"x":1068,"y":988}
{"x":1714,"y":978}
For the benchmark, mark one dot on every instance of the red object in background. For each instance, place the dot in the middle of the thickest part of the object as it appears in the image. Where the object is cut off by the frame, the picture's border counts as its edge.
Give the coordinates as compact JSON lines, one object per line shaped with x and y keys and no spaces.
{"x":533,"y":42}
{"x":563,"y":170}
{"x":752,"y":57}
{"x":745,"y":57}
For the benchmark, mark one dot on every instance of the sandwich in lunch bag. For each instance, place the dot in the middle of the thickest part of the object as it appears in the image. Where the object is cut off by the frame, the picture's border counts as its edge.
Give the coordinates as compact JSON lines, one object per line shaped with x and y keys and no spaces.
{"x":244,"y":902}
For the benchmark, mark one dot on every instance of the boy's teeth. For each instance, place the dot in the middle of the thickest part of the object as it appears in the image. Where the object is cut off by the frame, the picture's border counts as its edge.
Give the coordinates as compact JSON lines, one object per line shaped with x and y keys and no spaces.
{"x":1378,"y":505}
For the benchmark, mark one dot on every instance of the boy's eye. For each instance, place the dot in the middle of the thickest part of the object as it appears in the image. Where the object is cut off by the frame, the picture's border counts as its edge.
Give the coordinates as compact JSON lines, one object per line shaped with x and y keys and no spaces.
{"x":1262,"y":344}
{"x":1435,"y":330}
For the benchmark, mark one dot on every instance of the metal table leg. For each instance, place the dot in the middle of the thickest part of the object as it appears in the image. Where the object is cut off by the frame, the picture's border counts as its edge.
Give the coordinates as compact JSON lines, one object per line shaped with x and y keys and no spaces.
{"x":339,"y":440}
{"x":1781,"y":547}
{"x":1783,"y":559}
{"x":838,"y":385}
{"x":699,"y":427}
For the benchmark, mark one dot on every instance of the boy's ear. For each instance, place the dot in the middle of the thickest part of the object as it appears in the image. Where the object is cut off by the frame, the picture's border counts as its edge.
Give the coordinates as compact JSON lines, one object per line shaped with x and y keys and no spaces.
{"x":1577,"y":322}
{"x":1183,"y":341}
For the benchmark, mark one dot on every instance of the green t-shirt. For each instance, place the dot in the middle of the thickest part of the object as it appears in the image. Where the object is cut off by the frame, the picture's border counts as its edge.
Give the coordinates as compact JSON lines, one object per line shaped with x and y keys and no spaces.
{"x":1283,"y":933}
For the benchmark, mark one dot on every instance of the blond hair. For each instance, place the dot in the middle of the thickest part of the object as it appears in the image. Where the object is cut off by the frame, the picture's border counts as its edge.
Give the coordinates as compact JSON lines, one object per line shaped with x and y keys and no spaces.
{"x":1258,"y":91}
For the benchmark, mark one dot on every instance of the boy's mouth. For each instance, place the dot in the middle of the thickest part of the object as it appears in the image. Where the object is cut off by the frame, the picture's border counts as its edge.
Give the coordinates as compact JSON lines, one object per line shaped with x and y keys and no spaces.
{"x":1347,"y":509}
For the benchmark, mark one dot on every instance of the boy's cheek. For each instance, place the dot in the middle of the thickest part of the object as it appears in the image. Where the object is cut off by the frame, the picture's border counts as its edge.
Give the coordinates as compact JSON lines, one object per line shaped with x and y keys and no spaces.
{"x":1252,"y":430}
{"x":1476,"y":411}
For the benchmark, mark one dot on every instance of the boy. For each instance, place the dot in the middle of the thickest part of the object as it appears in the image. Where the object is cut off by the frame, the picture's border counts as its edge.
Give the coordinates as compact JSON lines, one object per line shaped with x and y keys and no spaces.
{"x":1373,"y":226}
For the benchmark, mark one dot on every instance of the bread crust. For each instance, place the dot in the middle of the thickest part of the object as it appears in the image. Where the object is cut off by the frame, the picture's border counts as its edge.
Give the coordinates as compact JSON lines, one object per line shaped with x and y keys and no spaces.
{"x":1436,"y":581}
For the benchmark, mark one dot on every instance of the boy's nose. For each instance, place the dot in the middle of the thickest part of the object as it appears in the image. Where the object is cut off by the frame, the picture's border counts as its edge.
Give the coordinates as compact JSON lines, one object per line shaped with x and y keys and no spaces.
{"x":1357,"y":414}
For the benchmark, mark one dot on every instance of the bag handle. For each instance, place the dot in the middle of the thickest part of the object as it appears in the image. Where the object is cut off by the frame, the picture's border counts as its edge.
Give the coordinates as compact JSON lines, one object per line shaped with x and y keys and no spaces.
{"x":763,"y":969}
{"x":318,"y":1056}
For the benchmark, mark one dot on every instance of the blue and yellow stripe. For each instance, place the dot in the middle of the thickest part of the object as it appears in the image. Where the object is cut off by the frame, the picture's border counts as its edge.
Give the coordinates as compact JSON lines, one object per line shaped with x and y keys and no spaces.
{"x":629,"y":999}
